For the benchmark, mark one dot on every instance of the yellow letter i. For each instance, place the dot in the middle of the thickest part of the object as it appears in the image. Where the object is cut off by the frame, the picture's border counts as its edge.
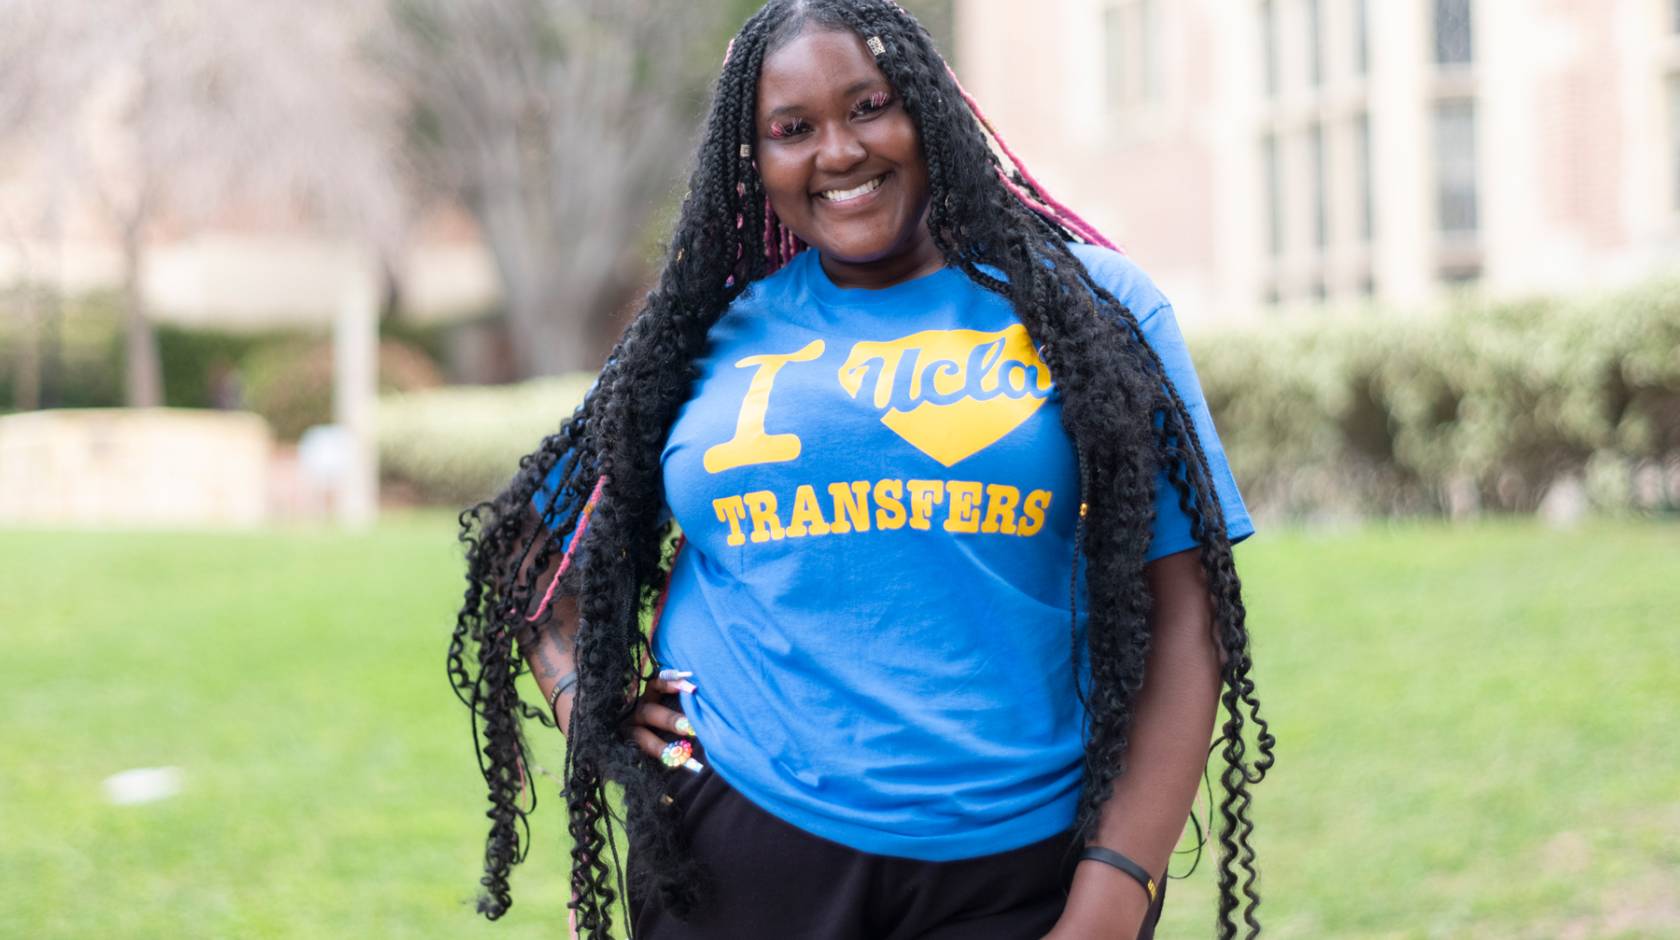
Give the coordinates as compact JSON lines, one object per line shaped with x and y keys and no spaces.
{"x":751,"y":443}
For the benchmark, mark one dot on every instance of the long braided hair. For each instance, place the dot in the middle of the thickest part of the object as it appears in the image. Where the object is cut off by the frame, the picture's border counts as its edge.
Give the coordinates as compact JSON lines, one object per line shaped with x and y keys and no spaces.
{"x":988,"y":217}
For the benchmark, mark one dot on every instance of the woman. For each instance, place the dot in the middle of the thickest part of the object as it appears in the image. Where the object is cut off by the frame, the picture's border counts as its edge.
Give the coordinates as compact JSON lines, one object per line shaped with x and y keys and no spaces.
{"x":953,"y":602}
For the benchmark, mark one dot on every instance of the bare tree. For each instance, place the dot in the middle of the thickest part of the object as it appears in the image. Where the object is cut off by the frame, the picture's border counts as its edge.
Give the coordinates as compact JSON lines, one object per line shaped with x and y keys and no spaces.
{"x":561,"y":124}
{"x":28,"y":86}
{"x":28,"y":28}
{"x":180,"y":111}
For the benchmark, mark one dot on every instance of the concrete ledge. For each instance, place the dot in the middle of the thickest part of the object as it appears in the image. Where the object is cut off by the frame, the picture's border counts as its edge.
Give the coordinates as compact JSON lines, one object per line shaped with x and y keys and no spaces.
{"x":141,"y":468}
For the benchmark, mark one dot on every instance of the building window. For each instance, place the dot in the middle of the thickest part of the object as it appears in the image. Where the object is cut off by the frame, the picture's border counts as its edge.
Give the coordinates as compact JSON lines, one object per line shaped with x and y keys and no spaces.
{"x":1455,"y":167}
{"x":1454,"y":39}
{"x":1362,"y":36}
{"x":1133,"y":51}
{"x":1269,"y":44}
{"x":1273,"y":170}
{"x":1367,"y":184}
{"x":1320,"y":186}
{"x":1315,"y":42}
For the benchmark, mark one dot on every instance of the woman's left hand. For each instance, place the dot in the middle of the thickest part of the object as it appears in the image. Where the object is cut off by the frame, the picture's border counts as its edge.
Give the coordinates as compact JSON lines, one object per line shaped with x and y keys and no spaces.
{"x":652,"y":717}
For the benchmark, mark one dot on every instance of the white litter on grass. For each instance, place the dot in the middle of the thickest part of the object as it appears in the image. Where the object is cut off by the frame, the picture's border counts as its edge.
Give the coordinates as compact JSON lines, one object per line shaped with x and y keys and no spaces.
{"x":143,"y":785}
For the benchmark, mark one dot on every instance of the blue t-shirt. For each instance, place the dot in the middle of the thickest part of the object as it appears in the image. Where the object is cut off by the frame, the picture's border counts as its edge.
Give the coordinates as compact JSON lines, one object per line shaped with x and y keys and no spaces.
{"x":879,"y":499}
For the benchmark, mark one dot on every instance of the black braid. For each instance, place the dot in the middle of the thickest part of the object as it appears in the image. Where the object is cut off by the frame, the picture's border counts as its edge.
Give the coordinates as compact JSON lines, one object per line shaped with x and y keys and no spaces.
{"x":1122,"y":414}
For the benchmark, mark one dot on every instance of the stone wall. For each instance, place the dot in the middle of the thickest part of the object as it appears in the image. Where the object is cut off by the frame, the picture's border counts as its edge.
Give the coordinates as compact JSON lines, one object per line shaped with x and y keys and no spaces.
{"x":144,"y":468}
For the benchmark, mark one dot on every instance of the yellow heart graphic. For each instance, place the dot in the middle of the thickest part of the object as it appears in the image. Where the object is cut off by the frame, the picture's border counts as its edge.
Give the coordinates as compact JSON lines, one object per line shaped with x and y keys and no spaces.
{"x":951,"y":393}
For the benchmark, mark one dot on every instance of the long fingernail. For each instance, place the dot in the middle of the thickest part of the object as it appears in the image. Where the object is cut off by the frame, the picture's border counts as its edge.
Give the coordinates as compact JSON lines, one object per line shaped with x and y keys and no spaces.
{"x":687,"y":686}
{"x":669,"y":674}
{"x":683,"y":727}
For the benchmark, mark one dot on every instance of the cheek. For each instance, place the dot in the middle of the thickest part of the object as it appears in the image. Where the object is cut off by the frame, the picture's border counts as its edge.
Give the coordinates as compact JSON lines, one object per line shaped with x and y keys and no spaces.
{"x":899,"y":143}
{"x":900,"y":140}
{"x":787,"y":198}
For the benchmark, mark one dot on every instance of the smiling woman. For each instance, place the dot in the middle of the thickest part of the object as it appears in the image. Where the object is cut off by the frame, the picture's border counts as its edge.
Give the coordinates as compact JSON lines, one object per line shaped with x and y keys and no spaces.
{"x":984,"y":711}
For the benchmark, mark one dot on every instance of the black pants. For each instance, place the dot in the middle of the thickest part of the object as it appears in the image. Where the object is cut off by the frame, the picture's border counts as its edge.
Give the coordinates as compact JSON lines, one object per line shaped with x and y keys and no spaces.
{"x":777,"y":882}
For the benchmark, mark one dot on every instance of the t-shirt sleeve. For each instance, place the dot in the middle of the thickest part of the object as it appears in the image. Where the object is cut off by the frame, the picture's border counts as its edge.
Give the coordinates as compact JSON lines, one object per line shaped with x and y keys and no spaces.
{"x":1172,"y":523}
{"x":1134,"y":288}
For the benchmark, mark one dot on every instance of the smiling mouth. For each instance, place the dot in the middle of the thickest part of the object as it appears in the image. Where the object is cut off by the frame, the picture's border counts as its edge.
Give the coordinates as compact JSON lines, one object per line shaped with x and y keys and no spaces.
{"x":848,"y":195}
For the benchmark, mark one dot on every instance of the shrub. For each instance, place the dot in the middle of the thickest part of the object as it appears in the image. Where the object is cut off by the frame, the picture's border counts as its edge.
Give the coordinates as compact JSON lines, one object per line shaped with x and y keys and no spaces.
{"x":80,"y":346}
{"x":292,"y":384}
{"x":1484,"y":405}
{"x":459,"y":445}
{"x":286,"y":375}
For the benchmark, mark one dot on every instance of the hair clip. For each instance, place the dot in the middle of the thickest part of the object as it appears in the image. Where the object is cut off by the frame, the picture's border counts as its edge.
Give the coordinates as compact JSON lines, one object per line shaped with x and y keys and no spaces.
{"x":746,"y":151}
{"x":877,"y":46}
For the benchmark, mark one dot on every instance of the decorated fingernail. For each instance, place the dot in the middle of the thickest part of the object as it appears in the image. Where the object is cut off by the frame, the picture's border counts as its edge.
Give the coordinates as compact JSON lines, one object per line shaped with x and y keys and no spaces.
{"x":683,"y":727}
{"x":669,"y":674}
{"x":680,"y":754}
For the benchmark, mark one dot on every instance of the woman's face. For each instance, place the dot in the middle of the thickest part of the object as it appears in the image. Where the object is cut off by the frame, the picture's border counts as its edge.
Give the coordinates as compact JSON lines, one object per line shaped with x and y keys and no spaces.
{"x":841,"y":159}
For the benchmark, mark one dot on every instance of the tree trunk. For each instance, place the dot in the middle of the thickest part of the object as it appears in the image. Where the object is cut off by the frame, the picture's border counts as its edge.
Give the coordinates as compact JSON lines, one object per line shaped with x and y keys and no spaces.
{"x":26,"y":375}
{"x":551,"y":306}
{"x":143,"y":363}
{"x":551,"y":331}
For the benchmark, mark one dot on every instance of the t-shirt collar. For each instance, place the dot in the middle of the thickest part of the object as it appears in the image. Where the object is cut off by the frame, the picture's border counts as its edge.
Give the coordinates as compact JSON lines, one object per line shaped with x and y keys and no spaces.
{"x":825,"y":290}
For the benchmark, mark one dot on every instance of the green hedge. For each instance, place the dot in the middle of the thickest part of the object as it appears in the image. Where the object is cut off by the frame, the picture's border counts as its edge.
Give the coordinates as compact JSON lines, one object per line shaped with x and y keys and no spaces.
{"x":459,"y":445}
{"x":283,"y":375}
{"x":291,"y":383}
{"x":1477,"y":407}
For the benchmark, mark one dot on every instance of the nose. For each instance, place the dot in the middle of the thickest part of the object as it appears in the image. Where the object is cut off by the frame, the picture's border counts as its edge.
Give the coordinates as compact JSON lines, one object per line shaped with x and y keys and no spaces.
{"x":840,"y":150}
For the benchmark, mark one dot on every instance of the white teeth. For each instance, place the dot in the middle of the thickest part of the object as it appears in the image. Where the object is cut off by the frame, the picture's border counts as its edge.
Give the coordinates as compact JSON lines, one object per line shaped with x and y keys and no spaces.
{"x":842,"y":195}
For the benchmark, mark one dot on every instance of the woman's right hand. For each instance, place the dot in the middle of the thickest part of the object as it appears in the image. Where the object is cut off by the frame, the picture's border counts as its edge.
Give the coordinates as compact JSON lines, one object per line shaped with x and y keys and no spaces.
{"x":652,"y":718}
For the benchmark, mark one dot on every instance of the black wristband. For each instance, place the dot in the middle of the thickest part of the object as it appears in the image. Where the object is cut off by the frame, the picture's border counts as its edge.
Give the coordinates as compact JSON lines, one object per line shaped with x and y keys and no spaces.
{"x":565,"y":685}
{"x":1110,"y":857}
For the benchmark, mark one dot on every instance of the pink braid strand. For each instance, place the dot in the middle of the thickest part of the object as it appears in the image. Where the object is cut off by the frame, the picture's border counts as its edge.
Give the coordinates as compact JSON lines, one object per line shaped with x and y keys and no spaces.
{"x":566,"y":559}
{"x":1058,"y":211}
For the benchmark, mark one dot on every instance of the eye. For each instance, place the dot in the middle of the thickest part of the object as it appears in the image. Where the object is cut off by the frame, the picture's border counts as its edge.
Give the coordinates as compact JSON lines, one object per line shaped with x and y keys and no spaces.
{"x":791,"y":127}
{"x":874,"y":103}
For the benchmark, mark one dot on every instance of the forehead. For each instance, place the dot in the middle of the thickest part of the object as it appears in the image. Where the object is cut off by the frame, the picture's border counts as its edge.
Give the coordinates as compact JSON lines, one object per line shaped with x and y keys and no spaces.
{"x":818,"y":64}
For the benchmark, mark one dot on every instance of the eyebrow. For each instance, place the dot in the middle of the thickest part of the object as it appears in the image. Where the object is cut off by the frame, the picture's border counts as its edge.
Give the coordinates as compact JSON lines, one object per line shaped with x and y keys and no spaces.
{"x":850,"y":90}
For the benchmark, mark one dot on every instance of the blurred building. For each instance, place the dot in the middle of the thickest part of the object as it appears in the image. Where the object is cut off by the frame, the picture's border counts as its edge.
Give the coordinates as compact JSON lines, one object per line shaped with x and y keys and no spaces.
{"x":1266,"y":155}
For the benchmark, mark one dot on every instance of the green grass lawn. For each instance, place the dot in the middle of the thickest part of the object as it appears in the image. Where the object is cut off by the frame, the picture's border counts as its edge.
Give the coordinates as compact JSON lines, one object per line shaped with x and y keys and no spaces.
{"x":1479,"y":737}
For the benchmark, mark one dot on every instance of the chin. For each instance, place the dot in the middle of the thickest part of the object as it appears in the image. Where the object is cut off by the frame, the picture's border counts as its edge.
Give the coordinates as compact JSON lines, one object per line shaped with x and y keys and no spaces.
{"x":861,"y":248}
{"x":854,"y":254}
